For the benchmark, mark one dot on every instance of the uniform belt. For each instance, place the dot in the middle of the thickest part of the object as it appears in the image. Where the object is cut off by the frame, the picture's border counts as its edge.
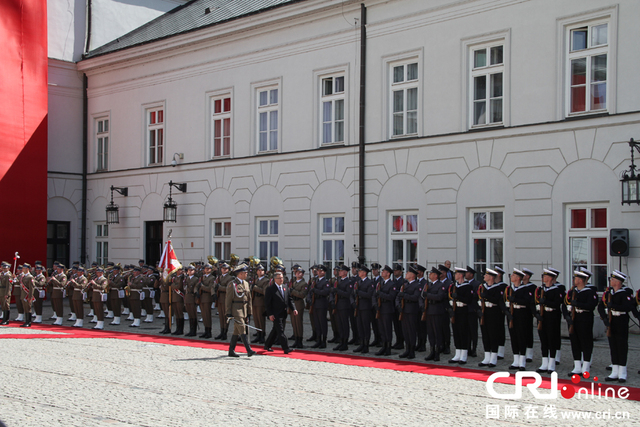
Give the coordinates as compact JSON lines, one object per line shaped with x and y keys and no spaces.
{"x":460,"y":304}
{"x":518,"y":306}
{"x":239,"y":302}
{"x":297,"y":299}
{"x":579,"y":310}
{"x":550,"y":309}
{"x":489,"y":304}
{"x":135,"y":290}
{"x":617,"y":313}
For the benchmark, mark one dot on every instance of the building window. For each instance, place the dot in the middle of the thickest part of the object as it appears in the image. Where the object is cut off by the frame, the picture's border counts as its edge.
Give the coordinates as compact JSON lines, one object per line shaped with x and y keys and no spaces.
{"x":332,"y":240}
{"x":587,"y":80}
{"x":404,"y":98}
{"x":102,"y":144}
{"x":487,"y":71}
{"x":268,"y":120}
{"x":102,"y":244}
{"x":155,"y":135}
{"x":221,"y":238}
{"x":404,"y":238}
{"x":333,"y":103}
{"x":588,"y":241}
{"x":487,"y":239}
{"x":267,"y":238}
{"x":221,"y":126}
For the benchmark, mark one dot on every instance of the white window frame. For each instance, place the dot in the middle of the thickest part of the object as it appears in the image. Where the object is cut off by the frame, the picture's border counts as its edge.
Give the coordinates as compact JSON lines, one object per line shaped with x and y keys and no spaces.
{"x":468,"y":46}
{"x":102,"y":242}
{"x":215,"y":117}
{"x":388,"y":87}
{"x":564,"y":25}
{"x":588,"y":233}
{"x":488,"y":71}
{"x":333,"y":237}
{"x":102,"y":141}
{"x":268,"y":238}
{"x":221,"y":238}
{"x":410,"y":81}
{"x":269,"y":108}
{"x":333,"y":98}
{"x":405,"y":236}
{"x":488,"y":234}
{"x":158,"y":128}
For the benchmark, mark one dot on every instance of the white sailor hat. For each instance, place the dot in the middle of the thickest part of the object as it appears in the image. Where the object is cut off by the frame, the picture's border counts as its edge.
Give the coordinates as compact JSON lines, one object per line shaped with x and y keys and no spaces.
{"x":518,"y":272}
{"x":499,"y":269}
{"x":527,"y":272}
{"x":550,"y":272}
{"x":581,"y":274}
{"x":617,"y":274}
{"x":491,"y":272}
{"x":460,"y":270}
{"x":555,"y":270}
{"x":586,"y":271}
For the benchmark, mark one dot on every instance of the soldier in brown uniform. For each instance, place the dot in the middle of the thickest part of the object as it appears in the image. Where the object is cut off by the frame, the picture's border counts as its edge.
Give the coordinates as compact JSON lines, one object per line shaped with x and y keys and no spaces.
{"x":205,"y":290}
{"x":117,"y":282}
{"x":26,"y":294}
{"x":16,"y":294}
{"x":58,"y":282}
{"x":99,"y":287}
{"x":177,"y":301}
{"x":79,"y":284}
{"x":257,"y":297}
{"x":165,"y":292}
{"x":238,"y":307}
{"x":5,"y":292}
{"x":190,"y":283}
{"x":136,"y":283}
{"x":298,"y":293}
{"x":221,"y":288}
{"x":39,"y":284}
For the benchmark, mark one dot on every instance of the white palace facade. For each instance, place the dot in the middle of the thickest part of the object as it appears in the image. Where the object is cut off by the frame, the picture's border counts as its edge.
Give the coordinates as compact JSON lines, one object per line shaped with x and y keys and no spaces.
{"x":487,"y":131}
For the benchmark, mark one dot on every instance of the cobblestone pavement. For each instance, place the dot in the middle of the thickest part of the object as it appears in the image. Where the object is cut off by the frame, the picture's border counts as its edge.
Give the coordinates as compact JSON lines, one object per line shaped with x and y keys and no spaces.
{"x":112,"y":382}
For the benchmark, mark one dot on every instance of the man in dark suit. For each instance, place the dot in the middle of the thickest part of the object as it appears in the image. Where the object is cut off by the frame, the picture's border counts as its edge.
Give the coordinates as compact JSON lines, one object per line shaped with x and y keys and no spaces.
{"x":277,"y":299}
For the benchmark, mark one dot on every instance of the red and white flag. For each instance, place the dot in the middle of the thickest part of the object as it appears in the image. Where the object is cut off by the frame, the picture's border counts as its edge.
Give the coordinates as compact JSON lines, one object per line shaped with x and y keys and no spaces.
{"x":169,"y":261}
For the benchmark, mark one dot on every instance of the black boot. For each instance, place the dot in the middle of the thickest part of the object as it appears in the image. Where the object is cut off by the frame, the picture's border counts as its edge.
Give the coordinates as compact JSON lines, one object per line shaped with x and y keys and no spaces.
{"x":323,"y":341}
{"x":359,"y":349}
{"x":232,"y":346}
{"x":256,"y":339}
{"x":5,"y":317}
{"x":422,"y":345}
{"x":220,"y":335}
{"x":193,"y":324}
{"x":406,"y":353}
{"x":318,"y":343}
{"x":312,"y":338}
{"x":436,"y":357}
{"x":207,"y":333}
{"x":412,"y":352}
{"x":382,"y":350}
{"x":365,"y":349}
{"x":299,"y":341}
{"x":398,"y":346}
{"x":245,"y":341}
{"x":179,"y":327}
{"x":261,"y":339}
{"x":167,"y":329}
{"x":27,"y":321}
{"x":388,"y":350}
{"x":224,"y":334}
{"x":431,"y":355}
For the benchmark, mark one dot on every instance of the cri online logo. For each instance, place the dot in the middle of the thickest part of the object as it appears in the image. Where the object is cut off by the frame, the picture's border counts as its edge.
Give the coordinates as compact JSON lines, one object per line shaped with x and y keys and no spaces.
{"x":567,"y":391}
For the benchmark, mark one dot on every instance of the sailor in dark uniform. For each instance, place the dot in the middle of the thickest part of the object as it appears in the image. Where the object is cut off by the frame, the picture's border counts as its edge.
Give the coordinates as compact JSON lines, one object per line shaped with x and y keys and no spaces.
{"x":422,"y":319}
{"x":386,"y":294}
{"x":375,"y":279}
{"x":492,"y":317}
{"x":363,"y":292}
{"x":461,"y":296}
{"x":397,"y":327}
{"x":434,"y":297}
{"x":519,"y":304}
{"x":550,"y":300}
{"x":320,"y":305}
{"x":343,"y":293}
{"x":580,"y":302}
{"x":446,"y":323}
{"x":408,"y":300}
{"x":470,"y":276}
{"x":618,"y":301}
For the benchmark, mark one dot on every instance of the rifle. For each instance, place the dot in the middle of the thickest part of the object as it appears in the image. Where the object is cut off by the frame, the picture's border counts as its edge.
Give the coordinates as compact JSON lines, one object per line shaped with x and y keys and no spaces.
{"x":401,"y":303}
{"x":481,"y":303}
{"x":450,"y":292}
{"x":507,"y":293}
{"x":608,"y":304}
{"x":539,"y":295}
{"x":355,"y":291}
{"x":335,"y":301}
{"x":573,"y":307}
{"x":379,"y":299}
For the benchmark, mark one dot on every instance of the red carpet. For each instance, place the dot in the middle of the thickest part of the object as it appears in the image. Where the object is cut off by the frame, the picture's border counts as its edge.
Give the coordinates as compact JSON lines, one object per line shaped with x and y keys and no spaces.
{"x":314,"y":356}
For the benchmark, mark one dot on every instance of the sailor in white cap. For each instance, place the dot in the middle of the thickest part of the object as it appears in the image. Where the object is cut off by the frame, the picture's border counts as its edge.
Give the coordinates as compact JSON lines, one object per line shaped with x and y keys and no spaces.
{"x":580,"y":302}
{"x":550,"y":315}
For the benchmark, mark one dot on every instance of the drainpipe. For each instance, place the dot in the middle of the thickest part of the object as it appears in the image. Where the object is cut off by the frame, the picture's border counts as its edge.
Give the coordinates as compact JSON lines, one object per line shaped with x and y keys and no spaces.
{"x":83,"y":230}
{"x":363,"y":68}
